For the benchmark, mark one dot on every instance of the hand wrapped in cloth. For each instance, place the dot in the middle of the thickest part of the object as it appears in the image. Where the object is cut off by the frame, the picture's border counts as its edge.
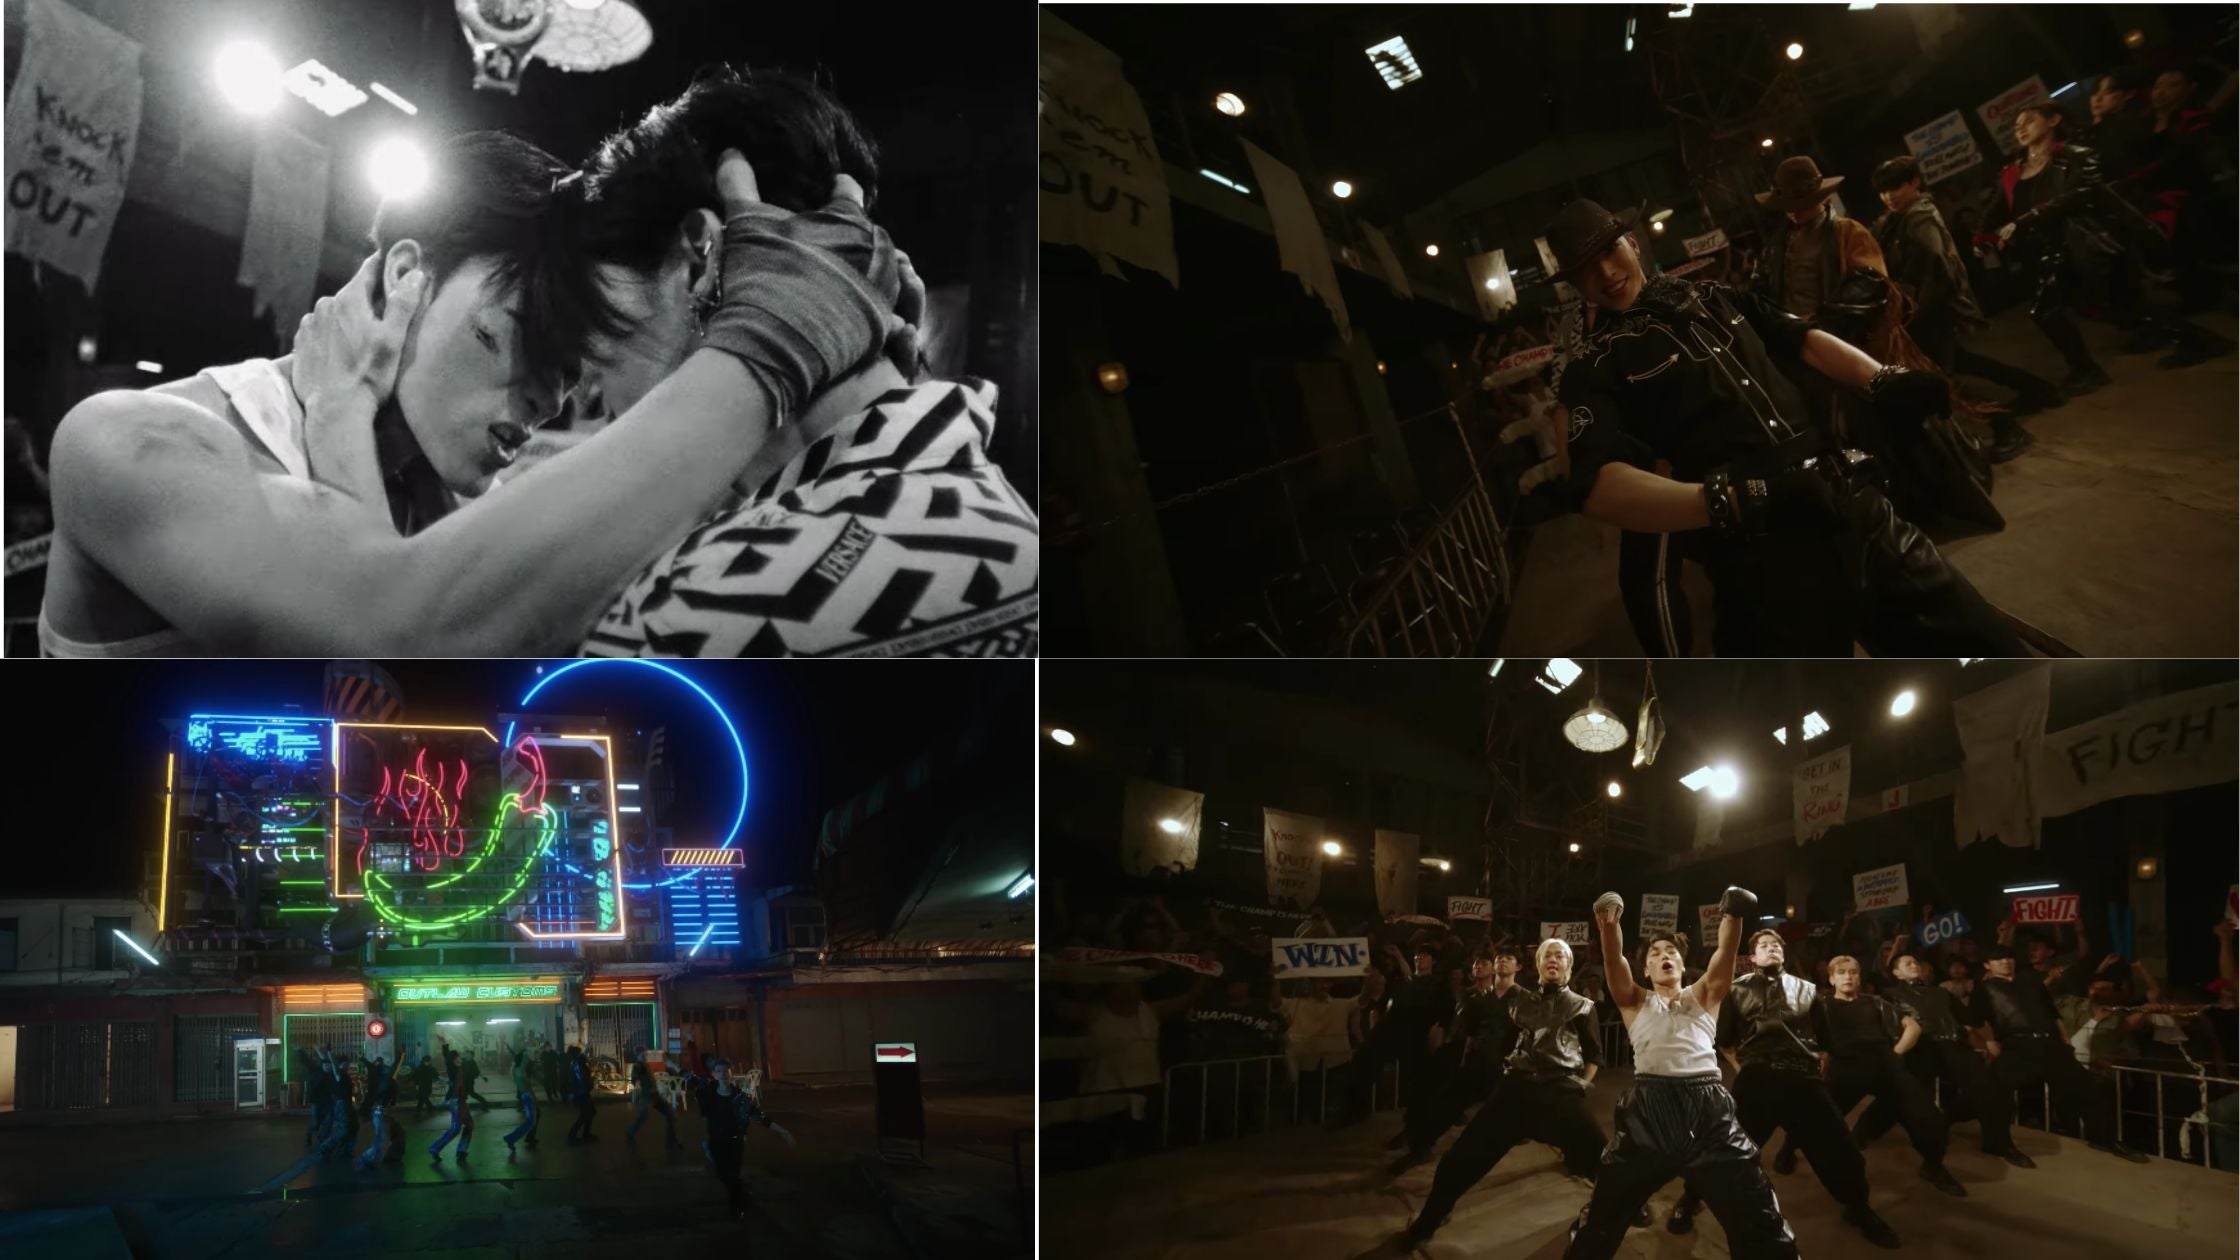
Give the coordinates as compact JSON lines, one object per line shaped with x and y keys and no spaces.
{"x":806,"y":298}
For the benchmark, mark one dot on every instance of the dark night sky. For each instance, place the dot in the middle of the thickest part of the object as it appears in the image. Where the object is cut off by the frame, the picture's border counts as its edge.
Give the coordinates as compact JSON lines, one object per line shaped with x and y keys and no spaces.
{"x":816,"y":733}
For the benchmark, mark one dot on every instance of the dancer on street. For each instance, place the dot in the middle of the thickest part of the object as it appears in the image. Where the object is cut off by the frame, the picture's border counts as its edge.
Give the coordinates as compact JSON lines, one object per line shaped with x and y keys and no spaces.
{"x":647,"y":1099}
{"x":1777,"y":1032}
{"x":579,"y":1091}
{"x":527,"y":1129}
{"x":455,"y":1097}
{"x":1678,"y":1120}
{"x":729,"y":1109}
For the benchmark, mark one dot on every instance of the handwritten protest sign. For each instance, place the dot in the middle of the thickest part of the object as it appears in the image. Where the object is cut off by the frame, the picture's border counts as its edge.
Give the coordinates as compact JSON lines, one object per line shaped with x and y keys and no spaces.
{"x":1104,"y":187}
{"x":2045,"y":908}
{"x":1822,"y":793}
{"x":1479,"y":908}
{"x":1575,"y":933}
{"x":1942,"y":928}
{"x":1660,"y":912}
{"x":1880,"y":888}
{"x":73,"y":120}
{"x":1333,"y":957}
{"x":1944,"y":148}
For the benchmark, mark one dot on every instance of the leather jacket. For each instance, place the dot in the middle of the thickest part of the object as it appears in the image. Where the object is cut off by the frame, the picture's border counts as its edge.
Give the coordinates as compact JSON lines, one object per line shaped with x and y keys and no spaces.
{"x":1770,"y":1022}
{"x":1931,"y":1007}
{"x":1556,"y":1035}
{"x":2016,"y":1007}
{"x":1926,"y":263}
{"x":2075,"y":215}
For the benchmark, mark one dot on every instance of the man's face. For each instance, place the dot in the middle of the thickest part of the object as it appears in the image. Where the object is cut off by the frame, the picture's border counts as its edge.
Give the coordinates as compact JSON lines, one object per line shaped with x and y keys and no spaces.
{"x":1614,"y":280}
{"x":1553,"y":962}
{"x":2170,"y":90}
{"x":2030,"y":127}
{"x":1505,"y":966}
{"x":1895,"y":199}
{"x":1809,"y":216}
{"x":2039,"y":953}
{"x":1481,"y":971}
{"x":1767,"y":952}
{"x":1423,"y":963}
{"x":1664,"y":963}
{"x":2107,"y":98}
{"x":462,"y":385}
{"x":1844,"y":978}
{"x":1907,"y":968}
{"x":2000,"y":967}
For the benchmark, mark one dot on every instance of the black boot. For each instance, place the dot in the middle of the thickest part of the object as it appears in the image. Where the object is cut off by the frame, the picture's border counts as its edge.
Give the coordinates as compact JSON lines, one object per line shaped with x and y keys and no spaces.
{"x":2009,"y":439}
{"x":1683,"y":1217}
{"x":1876,"y":1230}
{"x":2121,"y":1151}
{"x":1936,"y":1174}
{"x":2014,"y":1155}
{"x":2084,"y":380}
{"x":1785,"y":1159}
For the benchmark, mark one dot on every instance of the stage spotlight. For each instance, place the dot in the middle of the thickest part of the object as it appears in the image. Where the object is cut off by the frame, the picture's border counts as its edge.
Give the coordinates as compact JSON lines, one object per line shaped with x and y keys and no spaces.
{"x":1766,"y":143}
{"x":1172,"y":826}
{"x":1902,"y":703}
{"x":1725,"y":782}
{"x":1062,"y":737}
{"x":1230,"y":103}
{"x":1331,"y":847}
{"x":1431,"y":251}
{"x":397,"y":169}
{"x":1795,"y":51}
{"x":249,"y":77}
{"x":1615,"y":790}
{"x":1341,"y":189}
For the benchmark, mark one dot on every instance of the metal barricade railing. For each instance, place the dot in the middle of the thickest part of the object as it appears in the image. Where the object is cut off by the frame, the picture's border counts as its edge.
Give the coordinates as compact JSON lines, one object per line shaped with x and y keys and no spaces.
{"x":2195,"y":1139}
{"x":1444,"y":592}
{"x":1274,"y":1075}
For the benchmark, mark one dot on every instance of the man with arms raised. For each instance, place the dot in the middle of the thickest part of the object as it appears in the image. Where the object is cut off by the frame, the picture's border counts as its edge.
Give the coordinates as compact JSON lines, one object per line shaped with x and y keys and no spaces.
{"x":285,"y":507}
{"x":1678,"y":1120}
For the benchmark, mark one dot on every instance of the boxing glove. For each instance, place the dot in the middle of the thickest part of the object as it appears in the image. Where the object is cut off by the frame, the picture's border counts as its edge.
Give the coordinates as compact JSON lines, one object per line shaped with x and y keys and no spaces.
{"x":1609,"y":901}
{"x":1739,"y":902}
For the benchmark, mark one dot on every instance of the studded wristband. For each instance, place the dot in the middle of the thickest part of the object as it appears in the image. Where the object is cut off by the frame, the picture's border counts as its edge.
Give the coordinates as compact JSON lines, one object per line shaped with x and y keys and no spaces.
{"x":1719,"y":503}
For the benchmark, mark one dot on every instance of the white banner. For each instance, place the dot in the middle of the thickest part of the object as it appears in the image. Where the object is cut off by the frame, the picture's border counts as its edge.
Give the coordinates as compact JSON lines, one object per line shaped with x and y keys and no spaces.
{"x":1880,"y":888}
{"x":1944,"y":148}
{"x":1104,"y":188}
{"x":1292,"y":846}
{"x":1660,"y":912}
{"x":287,"y":227}
{"x":1397,"y":855}
{"x":1547,"y":256}
{"x":1894,"y":799}
{"x":1301,"y":248}
{"x":1711,"y":813}
{"x":1710,"y":242}
{"x":1823,"y":792}
{"x":2161,"y":745}
{"x":1707,"y":918}
{"x":1575,"y":933}
{"x":1478,"y":908}
{"x":2001,"y":728}
{"x":73,"y":122}
{"x":1998,"y":112}
{"x":1159,"y":827}
{"x":1388,"y":260}
{"x":2046,"y":908}
{"x":1332,"y":957}
{"x":29,"y":554}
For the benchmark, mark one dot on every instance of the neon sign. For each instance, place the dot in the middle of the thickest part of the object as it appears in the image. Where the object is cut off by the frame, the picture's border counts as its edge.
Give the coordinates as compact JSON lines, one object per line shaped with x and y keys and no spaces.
{"x":417,"y":993}
{"x":264,"y":739}
{"x":703,"y":857}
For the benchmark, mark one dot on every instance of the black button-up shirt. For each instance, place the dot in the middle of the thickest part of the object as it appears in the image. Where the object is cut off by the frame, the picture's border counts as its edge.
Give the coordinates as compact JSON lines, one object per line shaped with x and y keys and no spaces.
{"x":1690,"y":373}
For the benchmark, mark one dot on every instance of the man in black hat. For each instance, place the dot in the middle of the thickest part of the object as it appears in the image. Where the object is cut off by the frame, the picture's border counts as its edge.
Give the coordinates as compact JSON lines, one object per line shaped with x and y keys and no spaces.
{"x":1776,"y":1030}
{"x":1943,"y":1051}
{"x":2027,"y":1047}
{"x":1806,"y":558}
{"x":1809,"y":250}
{"x":1925,"y":262}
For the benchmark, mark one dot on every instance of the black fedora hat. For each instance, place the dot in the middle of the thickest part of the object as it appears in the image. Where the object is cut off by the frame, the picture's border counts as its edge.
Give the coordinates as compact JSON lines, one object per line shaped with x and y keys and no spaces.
{"x":1582,"y":230}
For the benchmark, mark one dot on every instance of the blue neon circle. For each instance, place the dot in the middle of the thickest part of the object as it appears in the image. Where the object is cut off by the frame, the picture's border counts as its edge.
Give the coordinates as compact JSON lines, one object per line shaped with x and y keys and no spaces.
{"x":738,"y":745}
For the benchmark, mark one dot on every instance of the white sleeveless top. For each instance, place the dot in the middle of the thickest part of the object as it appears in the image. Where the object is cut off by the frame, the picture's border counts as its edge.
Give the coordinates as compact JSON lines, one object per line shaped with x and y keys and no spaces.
{"x":1673,"y":1037}
{"x":265,"y":398}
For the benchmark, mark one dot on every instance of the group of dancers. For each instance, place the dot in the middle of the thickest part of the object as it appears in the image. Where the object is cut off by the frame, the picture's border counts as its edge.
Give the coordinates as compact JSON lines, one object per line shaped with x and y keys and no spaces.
{"x":340,"y":1093}
{"x":1803,"y":1061}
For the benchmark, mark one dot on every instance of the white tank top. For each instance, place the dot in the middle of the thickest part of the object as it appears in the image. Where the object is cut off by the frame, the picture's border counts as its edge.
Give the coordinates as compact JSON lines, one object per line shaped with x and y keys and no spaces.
{"x":1673,"y":1037}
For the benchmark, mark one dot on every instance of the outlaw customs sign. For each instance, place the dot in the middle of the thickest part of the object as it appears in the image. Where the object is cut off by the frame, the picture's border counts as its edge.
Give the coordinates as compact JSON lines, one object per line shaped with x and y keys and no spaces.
{"x":1823,"y":792}
{"x":1880,"y":888}
{"x":1944,"y":148}
{"x":1327,"y":957}
{"x":1292,"y":846}
{"x":2160,"y":745}
{"x":73,"y":120}
{"x":1478,"y":908}
{"x":1103,"y":186}
{"x":1660,"y":912}
{"x":2045,"y":908}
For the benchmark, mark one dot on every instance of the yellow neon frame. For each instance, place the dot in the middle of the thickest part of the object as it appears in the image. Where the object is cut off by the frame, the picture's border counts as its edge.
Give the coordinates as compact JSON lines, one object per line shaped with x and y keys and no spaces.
{"x":614,"y":837}
{"x":163,"y":890}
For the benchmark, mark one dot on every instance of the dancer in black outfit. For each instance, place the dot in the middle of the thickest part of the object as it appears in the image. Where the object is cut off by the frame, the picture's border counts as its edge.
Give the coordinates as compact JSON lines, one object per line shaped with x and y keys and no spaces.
{"x":1943,"y":1051}
{"x":729,"y":1110}
{"x":1542,"y":1096}
{"x":1778,"y":1033}
{"x":1485,"y":1031}
{"x":2023,"y":1037}
{"x":1678,"y":1120}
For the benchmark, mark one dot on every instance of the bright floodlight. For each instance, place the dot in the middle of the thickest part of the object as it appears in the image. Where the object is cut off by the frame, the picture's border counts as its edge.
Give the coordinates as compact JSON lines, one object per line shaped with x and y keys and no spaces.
{"x":1494,"y":670}
{"x":585,"y":5}
{"x":1172,"y":826}
{"x":150,"y":365}
{"x":1341,"y":189}
{"x":1766,"y":143}
{"x":1431,"y":251}
{"x":1724,"y":782}
{"x":1657,"y":226}
{"x":1795,"y":51}
{"x":249,"y":77}
{"x":1445,"y":865}
{"x":1494,"y":283}
{"x":1560,"y":673}
{"x":1697,"y":779}
{"x":1020,"y":885}
{"x":1814,"y":725}
{"x":1331,"y":847}
{"x":137,"y":948}
{"x":1395,"y":63}
{"x":1230,"y":103}
{"x":1902,"y":703}
{"x":1614,"y":790}
{"x":1062,"y":737}
{"x":1574,"y":846}
{"x":398,"y":169}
